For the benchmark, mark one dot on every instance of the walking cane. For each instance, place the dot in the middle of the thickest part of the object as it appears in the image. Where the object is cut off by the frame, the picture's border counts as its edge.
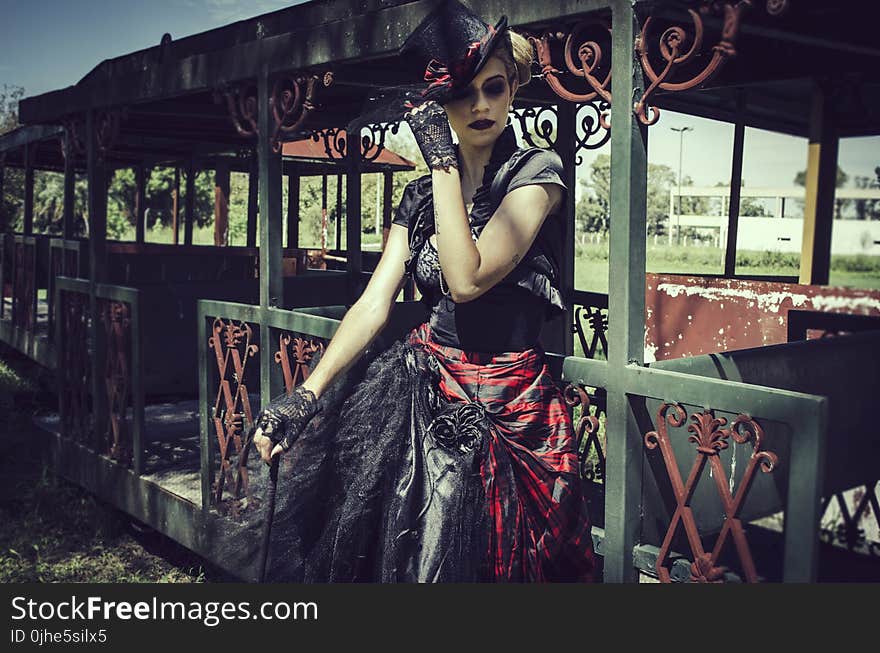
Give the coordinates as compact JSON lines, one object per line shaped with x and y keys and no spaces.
{"x":263,"y":553}
{"x":270,"y":514}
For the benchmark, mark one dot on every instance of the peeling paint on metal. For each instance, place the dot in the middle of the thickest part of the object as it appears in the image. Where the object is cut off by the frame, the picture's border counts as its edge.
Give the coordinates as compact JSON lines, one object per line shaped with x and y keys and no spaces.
{"x":689,"y":316}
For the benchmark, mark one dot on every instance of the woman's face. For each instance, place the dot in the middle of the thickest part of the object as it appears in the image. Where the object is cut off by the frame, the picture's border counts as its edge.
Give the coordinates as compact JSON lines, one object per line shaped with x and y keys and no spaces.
{"x":481,"y":115}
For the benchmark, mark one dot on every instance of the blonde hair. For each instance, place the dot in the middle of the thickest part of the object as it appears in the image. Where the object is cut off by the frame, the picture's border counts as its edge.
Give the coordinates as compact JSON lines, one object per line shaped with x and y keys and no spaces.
{"x":517,"y":59}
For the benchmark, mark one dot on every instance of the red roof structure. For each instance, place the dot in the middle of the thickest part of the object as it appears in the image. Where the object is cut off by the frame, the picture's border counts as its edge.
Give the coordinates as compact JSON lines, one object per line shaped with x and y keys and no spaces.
{"x":311,"y":149}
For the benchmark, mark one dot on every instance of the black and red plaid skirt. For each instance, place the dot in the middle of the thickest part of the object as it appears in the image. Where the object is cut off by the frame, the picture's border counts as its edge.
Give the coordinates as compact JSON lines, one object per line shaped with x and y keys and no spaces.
{"x":432,"y":464}
{"x":538,"y":528}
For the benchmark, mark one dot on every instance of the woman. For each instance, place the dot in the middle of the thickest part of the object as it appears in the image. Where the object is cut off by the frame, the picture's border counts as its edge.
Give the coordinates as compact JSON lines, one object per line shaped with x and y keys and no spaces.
{"x":452,"y":456}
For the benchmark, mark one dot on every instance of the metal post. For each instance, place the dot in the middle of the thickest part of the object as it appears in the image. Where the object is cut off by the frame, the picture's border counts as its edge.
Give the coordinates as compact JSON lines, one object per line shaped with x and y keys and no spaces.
{"x":566,"y":145}
{"x":97,"y":188}
{"x":69,"y":228}
{"x":190,"y":202}
{"x":324,"y":215}
{"x":271,"y":280}
{"x":140,"y":203}
{"x":2,"y":195}
{"x":293,"y":209}
{"x":353,"y":210}
{"x":821,"y":182}
{"x":338,"y":212}
{"x":626,"y":302}
{"x":387,"y":198}
{"x":29,"y":151}
{"x":221,"y":204}
{"x":681,"y":131}
{"x":739,"y":137}
{"x":253,"y":201}
{"x":175,"y":206}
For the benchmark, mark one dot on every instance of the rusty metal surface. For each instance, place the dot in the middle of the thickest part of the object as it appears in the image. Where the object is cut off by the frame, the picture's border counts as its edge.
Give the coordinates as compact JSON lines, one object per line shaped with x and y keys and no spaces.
{"x":678,"y":46}
{"x":676,"y":59}
{"x":689,"y":316}
{"x":709,"y":436}
{"x":231,"y":343}
{"x":302,"y":351}
{"x":116,"y":318}
{"x":291,"y":100}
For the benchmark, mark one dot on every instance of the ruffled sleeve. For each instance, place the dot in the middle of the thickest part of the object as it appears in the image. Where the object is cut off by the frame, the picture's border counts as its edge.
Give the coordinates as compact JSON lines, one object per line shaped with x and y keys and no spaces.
{"x":411,"y":201}
{"x":536,"y":166}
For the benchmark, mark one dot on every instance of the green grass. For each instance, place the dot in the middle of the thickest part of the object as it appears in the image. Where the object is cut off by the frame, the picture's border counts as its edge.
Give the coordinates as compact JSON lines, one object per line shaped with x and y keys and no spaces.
{"x":54,"y":531}
{"x":591,"y":265}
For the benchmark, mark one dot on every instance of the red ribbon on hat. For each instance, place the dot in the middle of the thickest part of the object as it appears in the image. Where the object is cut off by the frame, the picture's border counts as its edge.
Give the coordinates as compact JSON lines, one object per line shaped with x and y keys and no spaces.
{"x":438,"y":73}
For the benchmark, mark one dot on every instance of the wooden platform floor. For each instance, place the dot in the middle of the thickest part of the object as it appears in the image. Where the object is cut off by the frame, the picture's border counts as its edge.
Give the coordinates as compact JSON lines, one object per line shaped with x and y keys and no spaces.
{"x":171,"y":443}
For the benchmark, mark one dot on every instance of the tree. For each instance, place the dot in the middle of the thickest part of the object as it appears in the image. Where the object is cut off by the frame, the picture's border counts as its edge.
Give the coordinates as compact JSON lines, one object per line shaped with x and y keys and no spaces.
{"x":594,"y":209}
{"x":9,"y":97}
{"x":801,"y":180}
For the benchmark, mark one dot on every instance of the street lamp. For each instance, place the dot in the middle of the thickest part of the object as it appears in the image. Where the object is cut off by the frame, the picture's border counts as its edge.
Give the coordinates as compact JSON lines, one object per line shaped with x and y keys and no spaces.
{"x":681,"y":131}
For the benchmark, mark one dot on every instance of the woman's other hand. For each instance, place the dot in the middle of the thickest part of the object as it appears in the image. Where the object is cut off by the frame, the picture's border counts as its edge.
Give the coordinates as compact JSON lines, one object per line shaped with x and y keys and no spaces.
{"x":266,"y":448}
{"x":282,"y":421}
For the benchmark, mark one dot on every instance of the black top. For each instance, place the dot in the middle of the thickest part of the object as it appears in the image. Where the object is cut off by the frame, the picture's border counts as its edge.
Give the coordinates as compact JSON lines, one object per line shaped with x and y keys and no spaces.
{"x":508,"y":317}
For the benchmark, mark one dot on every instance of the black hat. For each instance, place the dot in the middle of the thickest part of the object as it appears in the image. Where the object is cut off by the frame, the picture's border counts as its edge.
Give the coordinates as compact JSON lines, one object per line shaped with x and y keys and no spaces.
{"x":456,"y":43}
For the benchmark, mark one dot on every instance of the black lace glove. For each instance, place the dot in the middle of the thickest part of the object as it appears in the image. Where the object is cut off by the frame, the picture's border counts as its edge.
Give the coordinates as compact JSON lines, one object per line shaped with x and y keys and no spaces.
{"x":430,"y":127}
{"x":285,"y":417}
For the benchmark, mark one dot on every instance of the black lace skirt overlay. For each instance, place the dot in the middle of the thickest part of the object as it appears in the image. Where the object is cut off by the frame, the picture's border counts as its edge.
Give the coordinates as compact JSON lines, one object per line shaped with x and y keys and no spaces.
{"x":399,"y":478}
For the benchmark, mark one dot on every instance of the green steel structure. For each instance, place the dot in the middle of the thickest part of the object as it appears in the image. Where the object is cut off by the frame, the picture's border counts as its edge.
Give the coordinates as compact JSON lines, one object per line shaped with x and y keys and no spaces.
{"x":766,"y":438}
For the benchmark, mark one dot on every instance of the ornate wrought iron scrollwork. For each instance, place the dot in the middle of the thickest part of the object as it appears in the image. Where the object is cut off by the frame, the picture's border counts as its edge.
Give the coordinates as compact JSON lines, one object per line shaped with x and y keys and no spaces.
{"x":589,"y":67}
{"x":597,"y":319}
{"x":116,"y":317}
{"x":592,"y":451}
{"x":291,"y":100}
{"x":589,"y":135}
{"x":334,"y":140}
{"x":541,"y":125}
{"x":592,"y":132}
{"x":107,"y":127}
{"x":303,"y":350}
{"x":844,"y":523}
{"x":375,"y":138}
{"x":232,"y":347}
{"x":241,"y":105}
{"x":372,"y":140}
{"x":709,"y":436}
{"x":678,"y":47}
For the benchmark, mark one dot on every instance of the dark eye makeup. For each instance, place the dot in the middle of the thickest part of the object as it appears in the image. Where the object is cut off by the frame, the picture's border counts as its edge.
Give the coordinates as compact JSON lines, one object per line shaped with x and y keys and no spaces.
{"x":495,"y":87}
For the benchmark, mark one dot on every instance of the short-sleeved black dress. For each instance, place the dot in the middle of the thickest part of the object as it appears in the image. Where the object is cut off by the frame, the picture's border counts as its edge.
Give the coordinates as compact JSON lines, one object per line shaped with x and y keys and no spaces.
{"x":450,"y":454}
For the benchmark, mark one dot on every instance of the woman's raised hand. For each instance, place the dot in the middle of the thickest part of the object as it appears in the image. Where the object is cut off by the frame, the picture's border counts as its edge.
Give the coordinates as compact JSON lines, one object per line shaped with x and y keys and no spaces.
{"x":282,"y":421}
{"x":430,"y":127}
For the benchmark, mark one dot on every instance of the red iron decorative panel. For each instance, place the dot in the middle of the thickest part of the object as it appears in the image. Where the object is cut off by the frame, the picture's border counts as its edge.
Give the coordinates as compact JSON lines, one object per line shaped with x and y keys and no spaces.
{"x":116,"y":317}
{"x":303,"y":350}
{"x":232,"y":347}
{"x":709,"y":436}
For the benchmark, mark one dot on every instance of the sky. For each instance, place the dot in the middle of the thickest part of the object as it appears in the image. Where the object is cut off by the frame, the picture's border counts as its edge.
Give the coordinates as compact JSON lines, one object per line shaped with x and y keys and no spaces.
{"x":51,"y":44}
